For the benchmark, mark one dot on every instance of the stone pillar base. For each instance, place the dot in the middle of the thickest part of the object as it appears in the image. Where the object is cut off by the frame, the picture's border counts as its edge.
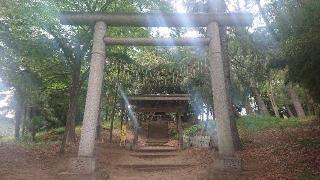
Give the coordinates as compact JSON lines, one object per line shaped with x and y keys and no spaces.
{"x":83,"y":168}
{"x":82,"y":165}
{"x":226,"y":168}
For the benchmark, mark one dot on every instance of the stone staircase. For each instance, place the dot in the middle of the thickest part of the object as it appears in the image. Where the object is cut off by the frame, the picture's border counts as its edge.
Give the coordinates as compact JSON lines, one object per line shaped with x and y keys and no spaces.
{"x":151,"y":155}
{"x":153,"y":162}
{"x":156,"y":141}
{"x":154,"y":167}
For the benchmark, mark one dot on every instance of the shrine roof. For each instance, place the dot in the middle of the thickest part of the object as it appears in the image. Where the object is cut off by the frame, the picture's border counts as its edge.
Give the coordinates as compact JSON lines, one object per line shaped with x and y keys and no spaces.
{"x":160,"y":97}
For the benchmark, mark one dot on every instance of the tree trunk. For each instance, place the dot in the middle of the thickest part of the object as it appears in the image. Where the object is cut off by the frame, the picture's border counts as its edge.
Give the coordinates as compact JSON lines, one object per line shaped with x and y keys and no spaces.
{"x":25,"y":120}
{"x":113,"y":113}
{"x":69,"y":132}
{"x":262,"y":106}
{"x":274,"y":104}
{"x":180,"y":130}
{"x":122,"y":115}
{"x":202,"y":113}
{"x":310,"y":105}
{"x":112,"y":118}
{"x":18,"y":114}
{"x":114,"y":104}
{"x":32,"y":128}
{"x":247,"y":106}
{"x":207,"y":118}
{"x":33,"y":134}
{"x":296,"y":102}
{"x":289,"y":110}
{"x":71,"y":137}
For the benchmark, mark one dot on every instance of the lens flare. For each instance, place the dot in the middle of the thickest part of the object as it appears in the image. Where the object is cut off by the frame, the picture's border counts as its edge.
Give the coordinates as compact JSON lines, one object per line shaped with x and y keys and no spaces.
{"x":131,"y":114}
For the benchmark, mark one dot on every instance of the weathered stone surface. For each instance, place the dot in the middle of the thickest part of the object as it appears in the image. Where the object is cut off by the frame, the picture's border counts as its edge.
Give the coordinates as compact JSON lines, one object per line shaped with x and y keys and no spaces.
{"x":82,"y":165}
{"x":74,"y":176}
{"x":227,"y":163}
{"x":186,"y":142}
{"x":90,"y":120}
{"x":224,"y":175}
{"x":129,"y":146}
{"x":219,"y":91}
{"x":196,"y":141}
{"x":226,"y":168}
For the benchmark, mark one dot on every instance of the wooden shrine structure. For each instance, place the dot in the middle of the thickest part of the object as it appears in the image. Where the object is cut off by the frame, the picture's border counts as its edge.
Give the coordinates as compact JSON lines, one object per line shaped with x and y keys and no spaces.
{"x":213,"y":20}
{"x":158,"y":127}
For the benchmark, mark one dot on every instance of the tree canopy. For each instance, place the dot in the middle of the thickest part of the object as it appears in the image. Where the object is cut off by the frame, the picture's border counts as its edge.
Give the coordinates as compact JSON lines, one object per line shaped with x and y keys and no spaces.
{"x":273,"y":67}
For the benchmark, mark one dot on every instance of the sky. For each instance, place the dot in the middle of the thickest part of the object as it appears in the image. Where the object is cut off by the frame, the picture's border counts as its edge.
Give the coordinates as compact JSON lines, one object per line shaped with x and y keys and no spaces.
{"x":5,"y":95}
{"x":181,"y":8}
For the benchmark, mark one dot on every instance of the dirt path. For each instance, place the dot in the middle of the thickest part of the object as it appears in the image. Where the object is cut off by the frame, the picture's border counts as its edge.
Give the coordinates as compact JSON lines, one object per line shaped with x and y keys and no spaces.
{"x":272,"y":154}
{"x":155,"y":163}
{"x":44,"y":163}
{"x":17,"y":162}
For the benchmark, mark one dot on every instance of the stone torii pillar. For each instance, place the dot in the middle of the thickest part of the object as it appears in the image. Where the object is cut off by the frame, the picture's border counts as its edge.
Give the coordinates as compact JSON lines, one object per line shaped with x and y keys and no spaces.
{"x":220,"y":100}
{"x":85,"y":162}
{"x":226,"y":161}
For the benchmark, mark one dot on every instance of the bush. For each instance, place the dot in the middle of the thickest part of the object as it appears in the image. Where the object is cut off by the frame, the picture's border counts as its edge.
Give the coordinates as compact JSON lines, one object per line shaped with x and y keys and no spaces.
{"x":193,"y":130}
{"x":200,"y":128}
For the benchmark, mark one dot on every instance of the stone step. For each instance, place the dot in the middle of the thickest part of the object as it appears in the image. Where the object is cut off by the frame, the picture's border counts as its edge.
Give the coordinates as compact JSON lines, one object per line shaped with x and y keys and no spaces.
{"x":156,"y":149}
{"x":154,"y":167}
{"x":98,"y":175}
{"x":157,"y":140}
{"x":153,"y":155}
{"x":157,"y":144}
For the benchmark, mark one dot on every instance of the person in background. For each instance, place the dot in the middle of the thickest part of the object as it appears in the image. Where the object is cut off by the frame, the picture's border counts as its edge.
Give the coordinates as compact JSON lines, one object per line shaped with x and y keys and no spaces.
{"x":123,"y":134}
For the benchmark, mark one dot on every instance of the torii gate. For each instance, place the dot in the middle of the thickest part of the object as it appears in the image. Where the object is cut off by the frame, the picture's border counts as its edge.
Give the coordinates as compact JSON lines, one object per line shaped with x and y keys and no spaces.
{"x":85,"y":162}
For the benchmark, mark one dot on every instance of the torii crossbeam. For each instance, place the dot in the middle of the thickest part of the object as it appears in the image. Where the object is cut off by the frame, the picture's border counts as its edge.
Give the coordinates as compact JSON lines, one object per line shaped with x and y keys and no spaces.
{"x":157,"y":19}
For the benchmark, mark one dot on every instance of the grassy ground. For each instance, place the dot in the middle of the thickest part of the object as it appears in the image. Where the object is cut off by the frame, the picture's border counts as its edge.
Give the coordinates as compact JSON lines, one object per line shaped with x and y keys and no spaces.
{"x":248,"y":126}
{"x":255,"y":123}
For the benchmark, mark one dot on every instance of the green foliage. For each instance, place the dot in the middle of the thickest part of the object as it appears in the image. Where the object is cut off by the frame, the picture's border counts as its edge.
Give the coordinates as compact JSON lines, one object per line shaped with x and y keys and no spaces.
{"x":7,"y":139}
{"x":35,"y":124}
{"x":116,"y":124}
{"x":203,"y":128}
{"x":193,"y":130}
{"x":52,"y":135}
{"x":173,"y":133}
{"x":298,"y":25}
{"x":43,"y":137}
{"x":39,"y":56}
{"x":258,"y":123}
